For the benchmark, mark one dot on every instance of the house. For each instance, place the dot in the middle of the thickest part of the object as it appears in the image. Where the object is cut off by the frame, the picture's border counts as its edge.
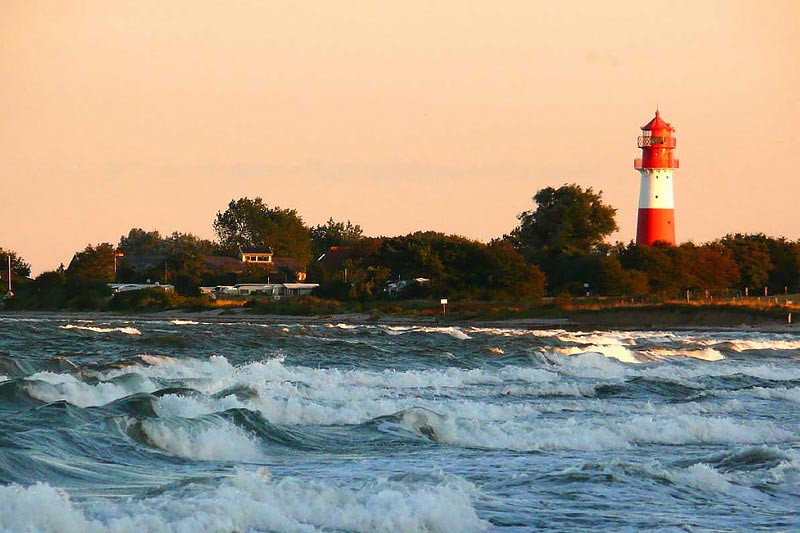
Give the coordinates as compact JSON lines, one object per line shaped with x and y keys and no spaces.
{"x":260,"y":255}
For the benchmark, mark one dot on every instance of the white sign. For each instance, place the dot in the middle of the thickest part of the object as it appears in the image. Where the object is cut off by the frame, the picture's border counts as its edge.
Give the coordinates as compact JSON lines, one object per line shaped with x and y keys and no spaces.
{"x":443,"y":301}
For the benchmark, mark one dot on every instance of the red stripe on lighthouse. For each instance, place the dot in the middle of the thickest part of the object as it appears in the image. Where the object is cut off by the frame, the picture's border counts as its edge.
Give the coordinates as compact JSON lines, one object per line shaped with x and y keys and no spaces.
{"x":655,"y":225}
{"x":656,"y":221}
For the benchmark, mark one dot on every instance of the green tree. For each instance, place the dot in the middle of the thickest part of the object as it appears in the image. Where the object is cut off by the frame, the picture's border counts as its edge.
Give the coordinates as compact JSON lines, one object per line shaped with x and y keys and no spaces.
{"x":710,"y":267}
{"x":334,"y":233}
{"x":751,"y":253}
{"x":656,"y":263}
{"x":510,"y":276}
{"x":249,"y":222}
{"x":94,"y":263}
{"x":18,"y":265}
{"x":785,"y":257}
{"x":566,"y":221}
{"x":141,"y":242}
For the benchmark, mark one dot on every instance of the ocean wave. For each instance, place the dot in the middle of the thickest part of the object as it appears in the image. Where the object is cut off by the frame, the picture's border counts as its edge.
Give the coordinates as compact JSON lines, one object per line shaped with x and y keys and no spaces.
{"x":346,"y":327}
{"x":689,"y":429}
{"x":592,"y":365}
{"x":205,"y":439}
{"x":739,"y":345}
{"x":574,"y":434}
{"x":16,"y":366}
{"x":700,"y":476}
{"x":454,"y":332}
{"x":50,"y":387}
{"x":254,"y":501}
{"x":726,"y":369}
{"x":777,"y":393}
{"x":704,"y":354}
{"x":515,"y":332}
{"x":750,"y":458}
{"x":614,"y":351}
{"x":96,"y":329}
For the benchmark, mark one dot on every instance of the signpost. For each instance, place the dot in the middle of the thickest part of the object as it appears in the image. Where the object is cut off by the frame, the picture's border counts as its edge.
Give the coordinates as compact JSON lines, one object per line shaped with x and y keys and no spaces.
{"x":443,"y":301}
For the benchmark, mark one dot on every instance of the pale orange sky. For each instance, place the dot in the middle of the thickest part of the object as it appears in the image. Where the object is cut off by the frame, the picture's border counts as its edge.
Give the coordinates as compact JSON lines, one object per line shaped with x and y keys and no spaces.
{"x":400,"y":116}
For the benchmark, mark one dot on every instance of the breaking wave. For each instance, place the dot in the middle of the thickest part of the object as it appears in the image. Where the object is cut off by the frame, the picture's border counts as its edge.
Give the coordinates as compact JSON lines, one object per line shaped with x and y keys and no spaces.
{"x":98,"y":329}
{"x":254,"y":501}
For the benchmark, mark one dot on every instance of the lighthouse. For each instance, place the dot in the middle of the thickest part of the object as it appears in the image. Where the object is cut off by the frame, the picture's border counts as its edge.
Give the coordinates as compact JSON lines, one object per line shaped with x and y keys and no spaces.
{"x":656,"y":201}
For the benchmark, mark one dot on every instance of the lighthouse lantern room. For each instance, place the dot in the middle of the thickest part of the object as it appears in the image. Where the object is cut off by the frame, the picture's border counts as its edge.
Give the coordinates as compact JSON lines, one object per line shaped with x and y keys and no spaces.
{"x":656,"y":204}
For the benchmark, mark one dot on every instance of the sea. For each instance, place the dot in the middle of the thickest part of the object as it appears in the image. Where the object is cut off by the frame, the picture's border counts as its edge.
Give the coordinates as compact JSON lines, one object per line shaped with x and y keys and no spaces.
{"x":239,"y":424}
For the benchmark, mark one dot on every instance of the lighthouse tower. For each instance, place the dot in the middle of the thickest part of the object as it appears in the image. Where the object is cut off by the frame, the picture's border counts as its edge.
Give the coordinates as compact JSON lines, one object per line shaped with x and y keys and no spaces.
{"x":656,"y":204}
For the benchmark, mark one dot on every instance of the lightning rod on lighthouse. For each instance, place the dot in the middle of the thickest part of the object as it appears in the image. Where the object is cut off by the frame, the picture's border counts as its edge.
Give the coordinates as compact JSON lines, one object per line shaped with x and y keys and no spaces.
{"x":656,"y":201}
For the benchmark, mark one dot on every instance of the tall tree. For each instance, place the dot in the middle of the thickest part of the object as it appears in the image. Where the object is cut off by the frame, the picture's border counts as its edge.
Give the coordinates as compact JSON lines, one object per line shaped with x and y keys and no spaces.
{"x":510,"y":275}
{"x":249,"y":222}
{"x":785,"y":256}
{"x":566,"y":221}
{"x":141,"y":242}
{"x":751,"y":253}
{"x":334,"y":233}
{"x":94,"y":263}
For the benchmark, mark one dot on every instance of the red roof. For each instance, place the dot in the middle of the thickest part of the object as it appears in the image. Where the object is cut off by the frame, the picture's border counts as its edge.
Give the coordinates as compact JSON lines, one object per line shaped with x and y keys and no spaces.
{"x":657,"y":123}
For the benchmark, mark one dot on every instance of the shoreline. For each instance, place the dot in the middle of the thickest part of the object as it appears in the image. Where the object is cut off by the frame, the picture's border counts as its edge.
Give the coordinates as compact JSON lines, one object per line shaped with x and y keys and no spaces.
{"x":601,"y":319}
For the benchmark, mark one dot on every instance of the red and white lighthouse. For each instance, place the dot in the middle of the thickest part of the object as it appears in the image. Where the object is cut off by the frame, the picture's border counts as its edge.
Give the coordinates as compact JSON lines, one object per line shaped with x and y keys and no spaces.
{"x":656,"y":201}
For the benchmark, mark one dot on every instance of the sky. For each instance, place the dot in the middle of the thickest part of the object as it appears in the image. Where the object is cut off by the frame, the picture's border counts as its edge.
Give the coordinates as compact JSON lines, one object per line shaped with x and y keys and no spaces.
{"x":444,"y":115}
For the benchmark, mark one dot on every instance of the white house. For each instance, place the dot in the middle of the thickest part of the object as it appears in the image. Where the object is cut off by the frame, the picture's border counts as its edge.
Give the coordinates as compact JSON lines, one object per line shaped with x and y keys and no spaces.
{"x":260,"y":255}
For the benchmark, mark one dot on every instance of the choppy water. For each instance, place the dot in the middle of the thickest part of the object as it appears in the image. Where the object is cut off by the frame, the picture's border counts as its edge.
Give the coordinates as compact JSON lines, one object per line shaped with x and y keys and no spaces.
{"x":178,"y":425}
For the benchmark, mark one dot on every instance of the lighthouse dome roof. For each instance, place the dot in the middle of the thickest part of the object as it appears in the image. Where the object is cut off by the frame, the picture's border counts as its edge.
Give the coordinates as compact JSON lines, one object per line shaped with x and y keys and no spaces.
{"x":657,"y":123}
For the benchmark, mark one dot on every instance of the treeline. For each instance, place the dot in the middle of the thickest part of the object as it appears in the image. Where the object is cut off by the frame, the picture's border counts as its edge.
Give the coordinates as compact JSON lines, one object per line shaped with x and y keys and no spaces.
{"x":558,"y":248}
{"x":426,"y":265}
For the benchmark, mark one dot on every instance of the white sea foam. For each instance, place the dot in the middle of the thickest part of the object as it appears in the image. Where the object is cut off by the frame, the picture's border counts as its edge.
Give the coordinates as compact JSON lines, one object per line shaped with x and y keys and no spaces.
{"x":253,"y":501}
{"x":177,"y":405}
{"x":615,"y":351}
{"x":753,"y":344}
{"x":702,"y":477}
{"x":454,"y":332}
{"x":159,"y":359}
{"x":534,"y":434}
{"x":778,"y":393}
{"x":41,"y":508}
{"x":179,"y":322}
{"x":97,"y":329}
{"x":724,"y":368}
{"x":705,"y":354}
{"x":219,"y":440}
{"x":592,"y":365}
{"x":511,"y":435}
{"x":512,"y":332}
{"x":581,"y":390}
{"x":50,"y":387}
{"x":686,"y":429}
{"x":301,"y":395}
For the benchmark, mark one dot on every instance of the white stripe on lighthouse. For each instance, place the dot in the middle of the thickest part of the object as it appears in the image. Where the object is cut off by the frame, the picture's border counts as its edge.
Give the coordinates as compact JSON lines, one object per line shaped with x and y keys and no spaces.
{"x":656,"y":189}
